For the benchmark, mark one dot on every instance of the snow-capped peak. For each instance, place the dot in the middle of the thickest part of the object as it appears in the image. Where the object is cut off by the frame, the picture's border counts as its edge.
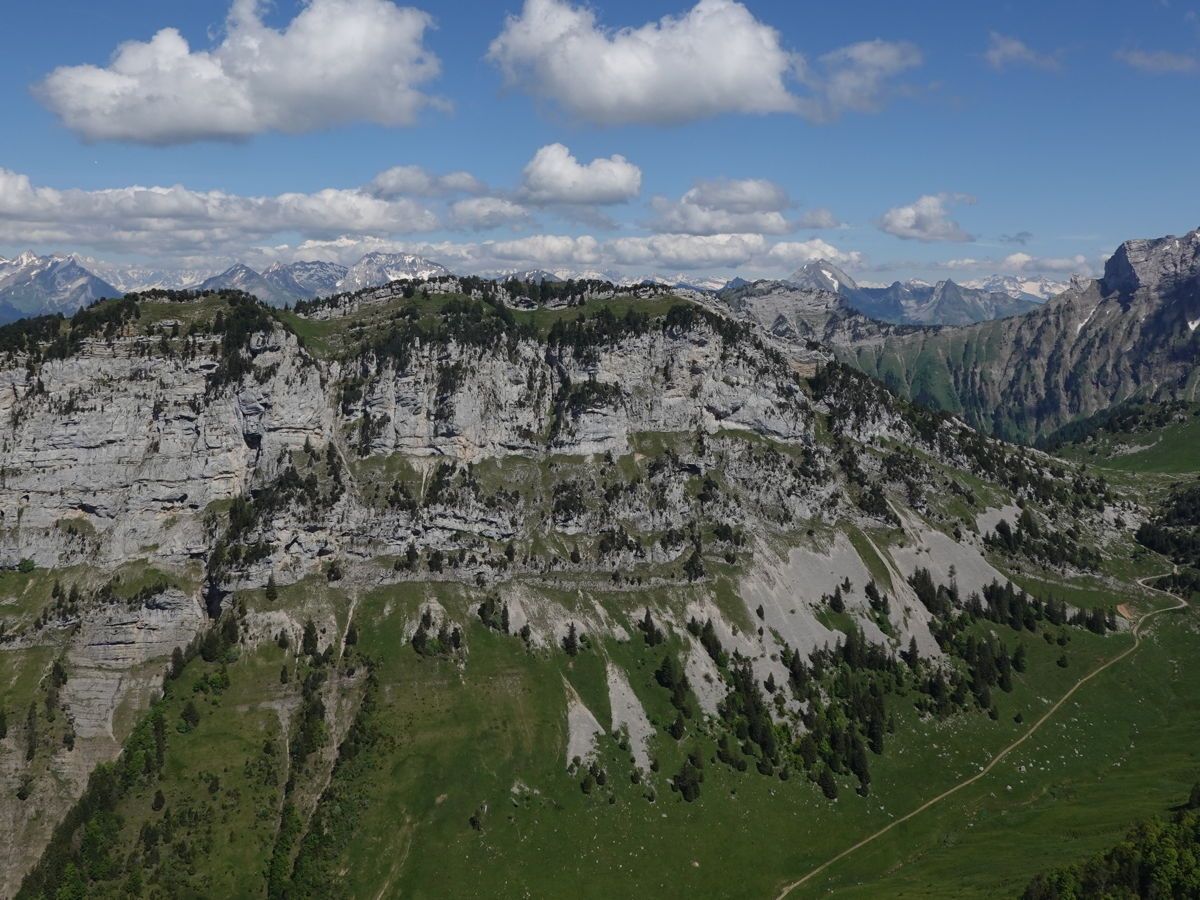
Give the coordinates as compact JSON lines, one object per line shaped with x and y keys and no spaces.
{"x":1020,"y":288}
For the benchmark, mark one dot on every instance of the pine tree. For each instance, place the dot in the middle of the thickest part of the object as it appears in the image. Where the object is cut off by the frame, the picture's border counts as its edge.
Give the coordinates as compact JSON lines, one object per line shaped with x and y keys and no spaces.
{"x":190,"y":715}
{"x":827,"y":783}
{"x":308,"y":643}
{"x":836,"y":603}
{"x":1019,"y":659}
{"x":571,"y":641}
{"x":177,"y":663}
{"x":31,"y":736}
{"x":272,"y":592}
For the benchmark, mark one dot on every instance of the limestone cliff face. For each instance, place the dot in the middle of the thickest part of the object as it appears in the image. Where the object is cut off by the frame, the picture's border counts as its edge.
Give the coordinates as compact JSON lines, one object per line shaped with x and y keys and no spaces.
{"x":473,"y":404}
{"x":112,"y":453}
{"x":116,"y":452}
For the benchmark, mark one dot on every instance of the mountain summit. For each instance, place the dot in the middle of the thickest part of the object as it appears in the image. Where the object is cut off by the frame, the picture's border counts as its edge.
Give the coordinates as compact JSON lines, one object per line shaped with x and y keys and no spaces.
{"x":32,"y":284}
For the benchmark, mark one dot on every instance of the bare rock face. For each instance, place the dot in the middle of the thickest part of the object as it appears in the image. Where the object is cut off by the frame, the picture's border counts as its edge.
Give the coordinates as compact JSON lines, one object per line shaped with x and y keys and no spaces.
{"x":114,"y":662}
{"x":115,"y":453}
{"x":111,"y":454}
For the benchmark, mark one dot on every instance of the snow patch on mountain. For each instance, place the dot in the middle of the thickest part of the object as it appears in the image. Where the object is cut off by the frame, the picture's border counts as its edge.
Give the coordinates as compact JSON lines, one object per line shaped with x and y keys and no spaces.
{"x":375,"y":269}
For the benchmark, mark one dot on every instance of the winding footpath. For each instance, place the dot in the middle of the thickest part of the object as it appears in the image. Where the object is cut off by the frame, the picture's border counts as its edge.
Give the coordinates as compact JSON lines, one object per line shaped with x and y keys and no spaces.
{"x":995,"y":760}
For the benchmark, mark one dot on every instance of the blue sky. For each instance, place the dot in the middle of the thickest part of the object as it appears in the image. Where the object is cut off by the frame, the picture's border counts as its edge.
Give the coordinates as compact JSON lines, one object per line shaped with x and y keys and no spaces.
{"x":1040,"y":135}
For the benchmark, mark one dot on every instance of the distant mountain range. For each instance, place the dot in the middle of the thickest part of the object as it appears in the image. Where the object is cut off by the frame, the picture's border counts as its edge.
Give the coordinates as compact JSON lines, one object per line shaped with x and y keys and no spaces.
{"x":1036,"y":289}
{"x":35,"y":285}
{"x":32,"y":285}
{"x":921,"y":303}
{"x":1129,"y":335}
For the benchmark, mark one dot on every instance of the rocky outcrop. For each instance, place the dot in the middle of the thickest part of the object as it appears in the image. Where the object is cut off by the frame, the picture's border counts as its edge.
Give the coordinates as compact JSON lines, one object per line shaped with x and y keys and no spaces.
{"x":1129,"y":335}
{"x":114,"y":453}
{"x":113,"y":663}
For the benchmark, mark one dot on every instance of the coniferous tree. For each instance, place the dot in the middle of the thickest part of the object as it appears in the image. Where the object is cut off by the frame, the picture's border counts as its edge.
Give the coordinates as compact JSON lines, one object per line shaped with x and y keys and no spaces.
{"x":1019,"y":658}
{"x":31,"y":736}
{"x":190,"y":715}
{"x":308,"y":643}
{"x":827,"y":783}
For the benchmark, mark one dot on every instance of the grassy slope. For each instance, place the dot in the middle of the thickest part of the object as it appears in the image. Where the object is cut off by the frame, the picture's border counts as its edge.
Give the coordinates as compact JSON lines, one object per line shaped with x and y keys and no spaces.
{"x":1174,"y":449}
{"x":465,"y":737}
{"x":1125,"y":747}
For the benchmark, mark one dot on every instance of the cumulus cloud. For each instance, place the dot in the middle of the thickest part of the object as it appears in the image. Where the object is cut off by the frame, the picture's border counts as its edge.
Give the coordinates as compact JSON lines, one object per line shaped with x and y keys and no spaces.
{"x":174,"y":225}
{"x":414,"y":181}
{"x":636,"y":255}
{"x":482,"y":213}
{"x":554,"y":176}
{"x":927,"y":219}
{"x":1064,"y":265}
{"x":1159,"y":62}
{"x":738,"y":195}
{"x":1004,"y":51}
{"x":818,"y":218}
{"x":337,"y":61}
{"x":1020,"y":264}
{"x":724,"y":206}
{"x":791,"y":254}
{"x":684,"y":217}
{"x":687,"y":251}
{"x":716,"y":58}
{"x":731,"y":206}
{"x":174,"y":219}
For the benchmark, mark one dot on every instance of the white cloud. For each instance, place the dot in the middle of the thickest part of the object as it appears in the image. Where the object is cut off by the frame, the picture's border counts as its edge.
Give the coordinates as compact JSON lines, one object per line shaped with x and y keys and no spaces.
{"x":554,"y":176}
{"x":530,"y":251}
{"x":733,"y":206}
{"x":337,"y":61}
{"x":927,"y":219}
{"x":689,"y":218}
{"x":413,"y":181}
{"x":1020,"y":263}
{"x":716,"y":58}
{"x":1064,"y":265}
{"x":546,"y":248}
{"x":791,"y":254}
{"x":1004,"y":51}
{"x":744,"y":195}
{"x":724,"y":206}
{"x":482,"y":213}
{"x":687,"y":251}
{"x":1159,"y":62}
{"x":175,"y":220}
{"x":855,"y":78}
{"x":639,"y":256}
{"x":818,"y":218}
